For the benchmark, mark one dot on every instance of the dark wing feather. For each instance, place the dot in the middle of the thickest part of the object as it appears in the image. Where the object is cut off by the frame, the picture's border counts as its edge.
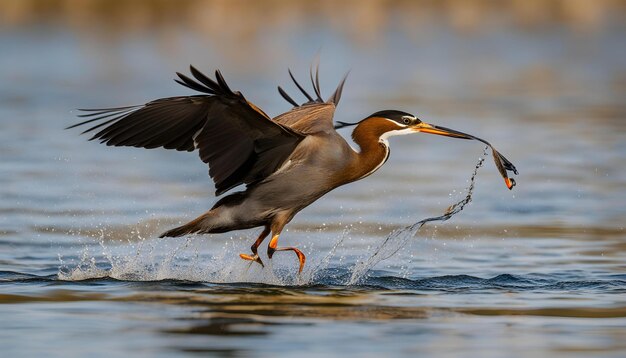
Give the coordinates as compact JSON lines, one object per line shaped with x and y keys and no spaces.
{"x":315,"y":82}
{"x":315,"y":115}
{"x":305,"y":93}
{"x":287,"y":97}
{"x":239,"y":142}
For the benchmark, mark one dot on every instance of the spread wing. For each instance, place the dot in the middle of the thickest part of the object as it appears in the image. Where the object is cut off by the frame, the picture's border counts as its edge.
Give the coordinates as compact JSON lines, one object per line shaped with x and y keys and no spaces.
{"x":239,"y":142}
{"x":315,"y":115}
{"x":309,"y":118}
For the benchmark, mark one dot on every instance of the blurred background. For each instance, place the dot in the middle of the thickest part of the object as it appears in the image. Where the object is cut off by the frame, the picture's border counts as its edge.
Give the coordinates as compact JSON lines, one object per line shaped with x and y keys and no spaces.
{"x":542,"y":80}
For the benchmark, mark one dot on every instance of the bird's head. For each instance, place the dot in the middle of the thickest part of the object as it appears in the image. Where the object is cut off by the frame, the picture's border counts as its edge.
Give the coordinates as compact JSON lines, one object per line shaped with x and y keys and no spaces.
{"x":388,"y":123}
{"x":379,"y":126}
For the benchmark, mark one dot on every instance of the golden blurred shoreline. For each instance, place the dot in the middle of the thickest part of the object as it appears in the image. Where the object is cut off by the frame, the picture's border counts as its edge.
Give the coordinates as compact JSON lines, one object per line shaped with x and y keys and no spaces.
{"x":240,"y":18}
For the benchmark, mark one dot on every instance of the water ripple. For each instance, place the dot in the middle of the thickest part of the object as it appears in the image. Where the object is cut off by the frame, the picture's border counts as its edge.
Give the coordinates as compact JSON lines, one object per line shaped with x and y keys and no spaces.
{"x":337,"y":277}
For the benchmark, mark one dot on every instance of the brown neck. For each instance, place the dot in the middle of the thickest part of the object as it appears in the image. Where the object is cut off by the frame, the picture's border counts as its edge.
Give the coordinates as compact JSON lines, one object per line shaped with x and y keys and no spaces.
{"x":373,"y":153}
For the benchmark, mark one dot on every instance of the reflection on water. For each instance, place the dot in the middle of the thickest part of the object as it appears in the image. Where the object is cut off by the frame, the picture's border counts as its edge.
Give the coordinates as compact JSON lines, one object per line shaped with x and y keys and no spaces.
{"x":427,"y":314}
{"x":539,"y":270}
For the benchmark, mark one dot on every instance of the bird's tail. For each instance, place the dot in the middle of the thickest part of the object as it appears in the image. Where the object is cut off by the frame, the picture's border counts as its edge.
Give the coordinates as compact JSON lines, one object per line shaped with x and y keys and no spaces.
{"x":199,"y":225}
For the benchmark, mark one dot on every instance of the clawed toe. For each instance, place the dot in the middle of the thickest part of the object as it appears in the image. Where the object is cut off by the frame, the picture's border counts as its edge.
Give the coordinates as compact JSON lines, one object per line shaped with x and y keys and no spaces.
{"x":254,"y":258}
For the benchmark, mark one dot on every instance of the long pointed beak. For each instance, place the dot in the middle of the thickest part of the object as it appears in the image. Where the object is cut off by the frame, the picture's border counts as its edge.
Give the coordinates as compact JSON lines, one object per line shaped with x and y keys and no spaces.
{"x":502,"y":163}
{"x":432,"y":129}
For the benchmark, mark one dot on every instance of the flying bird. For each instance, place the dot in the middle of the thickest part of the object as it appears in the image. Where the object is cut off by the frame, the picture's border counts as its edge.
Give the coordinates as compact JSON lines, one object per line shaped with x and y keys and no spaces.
{"x":286,"y":162}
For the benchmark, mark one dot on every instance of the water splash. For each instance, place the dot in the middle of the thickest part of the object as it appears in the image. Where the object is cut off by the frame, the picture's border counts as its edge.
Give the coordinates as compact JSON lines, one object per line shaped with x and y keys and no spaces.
{"x":181,"y":259}
{"x":400,"y":237}
{"x":313,"y":273}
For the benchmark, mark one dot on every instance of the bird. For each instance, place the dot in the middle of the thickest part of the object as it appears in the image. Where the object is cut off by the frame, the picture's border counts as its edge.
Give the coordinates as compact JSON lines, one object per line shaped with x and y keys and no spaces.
{"x":283,"y":164}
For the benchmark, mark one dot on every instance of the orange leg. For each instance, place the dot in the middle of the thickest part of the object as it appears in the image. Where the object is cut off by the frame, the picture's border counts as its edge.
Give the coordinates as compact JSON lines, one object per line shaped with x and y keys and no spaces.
{"x":272,"y":247}
{"x":255,"y":257}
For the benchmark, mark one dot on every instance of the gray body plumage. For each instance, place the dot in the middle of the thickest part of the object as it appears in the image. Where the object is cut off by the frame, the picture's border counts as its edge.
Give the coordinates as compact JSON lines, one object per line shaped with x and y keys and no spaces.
{"x":311,"y":171}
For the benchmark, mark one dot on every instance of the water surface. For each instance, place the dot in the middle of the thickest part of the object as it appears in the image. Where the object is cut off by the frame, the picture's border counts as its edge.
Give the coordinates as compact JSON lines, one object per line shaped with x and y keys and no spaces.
{"x":537,"y":271}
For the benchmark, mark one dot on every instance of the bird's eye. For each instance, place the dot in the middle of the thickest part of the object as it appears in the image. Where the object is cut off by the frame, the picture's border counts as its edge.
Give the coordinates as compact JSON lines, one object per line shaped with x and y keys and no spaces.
{"x":406,"y":120}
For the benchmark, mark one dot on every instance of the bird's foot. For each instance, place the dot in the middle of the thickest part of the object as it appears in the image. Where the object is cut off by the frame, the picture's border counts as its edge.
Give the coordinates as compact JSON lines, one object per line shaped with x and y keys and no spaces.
{"x":301,"y":258}
{"x":272,"y":248}
{"x":254,"y":258}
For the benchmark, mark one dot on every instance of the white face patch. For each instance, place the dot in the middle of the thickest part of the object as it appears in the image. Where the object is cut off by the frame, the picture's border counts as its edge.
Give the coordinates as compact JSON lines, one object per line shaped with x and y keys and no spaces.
{"x":405,"y":130}
{"x":384,"y":138}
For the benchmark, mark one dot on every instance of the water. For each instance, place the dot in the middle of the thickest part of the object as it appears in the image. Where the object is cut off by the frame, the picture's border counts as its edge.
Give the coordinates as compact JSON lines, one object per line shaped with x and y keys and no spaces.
{"x":536,"y":271}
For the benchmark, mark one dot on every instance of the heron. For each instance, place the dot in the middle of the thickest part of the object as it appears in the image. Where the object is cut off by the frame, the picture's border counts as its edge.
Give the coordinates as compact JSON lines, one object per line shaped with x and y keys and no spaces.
{"x":285,"y":163}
